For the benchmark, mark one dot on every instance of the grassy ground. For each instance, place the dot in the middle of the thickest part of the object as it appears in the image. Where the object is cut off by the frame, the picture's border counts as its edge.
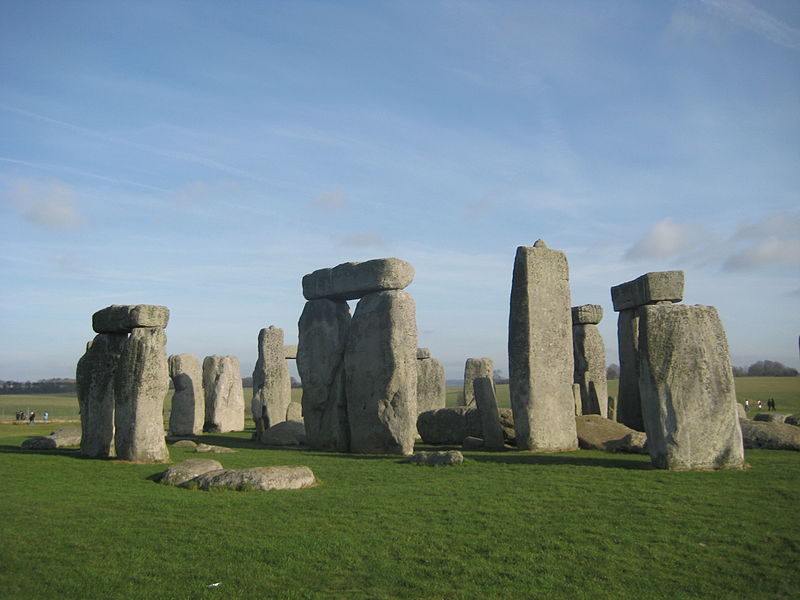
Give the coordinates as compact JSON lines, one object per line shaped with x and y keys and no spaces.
{"x":504,"y":525}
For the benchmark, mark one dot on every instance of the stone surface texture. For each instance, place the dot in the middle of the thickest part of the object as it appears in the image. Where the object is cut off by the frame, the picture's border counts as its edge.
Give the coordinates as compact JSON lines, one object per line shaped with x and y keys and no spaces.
{"x":224,"y":395}
{"x":290,"y":352}
{"x":451,"y":425}
{"x":771,"y":417}
{"x":381,"y":374}
{"x":540,"y":351}
{"x":353,"y":280}
{"x":598,"y":433}
{"x":629,"y":402}
{"x":60,"y":438}
{"x":95,"y":385}
{"x":687,"y":389}
{"x":431,"y":385}
{"x":141,"y":382}
{"x":587,"y":314}
{"x":793,"y":420}
{"x":474,"y":368}
{"x":188,"y":402}
{"x":256,"y":479}
{"x":437,"y":459}
{"x":650,"y":288}
{"x":272,"y":386}
{"x":770,"y":436}
{"x":286,"y":433}
{"x":589,"y":355}
{"x":323,"y":329}
{"x":186,"y":470}
{"x":124,"y":318}
{"x":486,"y":403}
{"x":423,"y":353}
{"x":294,"y":412}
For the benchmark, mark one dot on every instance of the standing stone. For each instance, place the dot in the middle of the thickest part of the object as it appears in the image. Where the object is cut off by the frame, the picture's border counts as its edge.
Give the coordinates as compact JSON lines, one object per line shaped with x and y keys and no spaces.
{"x":431,"y":384}
{"x":188,"y":401}
{"x":140,"y":384}
{"x":95,"y":385}
{"x":612,"y":408}
{"x":687,"y":389}
{"x":590,"y":359}
{"x":474,"y":368}
{"x":576,"y":397}
{"x":272,"y":387}
{"x":540,"y":350}
{"x":323,"y":328}
{"x":381,"y":374}
{"x":490,"y":416}
{"x":222,"y":381}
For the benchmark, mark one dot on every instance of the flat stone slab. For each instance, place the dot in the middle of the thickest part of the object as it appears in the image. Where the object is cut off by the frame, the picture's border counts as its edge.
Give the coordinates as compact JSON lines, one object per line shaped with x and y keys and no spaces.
{"x":353,"y":280}
{"x":255,"y":478}
{"x":771,"y":417}
{"x":186,"y":470}
{"x":202,"y":448}
{"x":658,"y":286}
{"x":286,"y":433}
{"x":184,"y":444}
{"x":122,"y":318}
{"x":587,"y":314}
{"x":770,"y":436}
{"x":437,"y":459}
{"x":598,"y":433}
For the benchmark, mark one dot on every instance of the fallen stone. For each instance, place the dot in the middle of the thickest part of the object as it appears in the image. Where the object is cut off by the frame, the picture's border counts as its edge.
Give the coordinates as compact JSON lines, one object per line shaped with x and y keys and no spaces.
{"x":431,"y":384}
{"x":437,"y":459}
{"x":41,"y":442}
{"x":186,"y":470}
{"x":353,"y":280}
{"x":294,"y":412}
{"x":474,"y":368}
{"x":124,"y":318}
{"x":492,"y":432}
{"x":286,"y":433}
{"x":793,"y":420}
{"x":210,"y":448}
{"x":272,"y":387}
{"x":650,"y":288}
{"x":472,"y":443}
{"x":771,"y":417}
{"x":67,"y":436}
{"x":451,"y":425}
{"x":255,"y":479}
{"x":598,"y":433}
{"x":769,"y":435}
{"x":188,"y":402}
{"x":224,"y":395}
{"x":587,"y":314}
{"x":184,"y":444}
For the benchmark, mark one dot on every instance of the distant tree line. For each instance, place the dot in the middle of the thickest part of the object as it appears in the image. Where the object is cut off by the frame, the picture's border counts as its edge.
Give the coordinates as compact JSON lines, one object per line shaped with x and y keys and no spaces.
{"x":765,"y":368}
{"x":43,"y":386}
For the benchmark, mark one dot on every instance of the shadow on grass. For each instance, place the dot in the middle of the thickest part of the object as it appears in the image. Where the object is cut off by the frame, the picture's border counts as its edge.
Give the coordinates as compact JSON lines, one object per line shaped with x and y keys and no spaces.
{"x":578,"y":460}
{"x":70,"y":452}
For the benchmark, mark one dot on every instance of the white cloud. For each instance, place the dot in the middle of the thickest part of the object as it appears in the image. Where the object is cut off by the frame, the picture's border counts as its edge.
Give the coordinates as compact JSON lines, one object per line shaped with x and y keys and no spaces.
{"x":331,"y":202}
{"x":47,"y":204}
{"x":780,"y":224}
{"x":665,"y":239}
{"x":772,"y":251}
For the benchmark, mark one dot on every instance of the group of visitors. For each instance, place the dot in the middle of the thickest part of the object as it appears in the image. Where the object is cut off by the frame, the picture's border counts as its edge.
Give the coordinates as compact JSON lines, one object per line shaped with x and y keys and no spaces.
{"x":760,"y":404}
{"x":30,"y":416}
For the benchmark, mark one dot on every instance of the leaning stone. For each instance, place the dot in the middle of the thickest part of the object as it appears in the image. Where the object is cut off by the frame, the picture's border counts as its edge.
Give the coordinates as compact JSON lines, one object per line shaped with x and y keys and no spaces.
{"x":294,"y":412}
{"x":474,"y":368}
{"x":188,"y":469}
{"x":437,"y":459}
{"x":124,"y":318}
{"x":472,"y":443}
{"x":323,"y":328}
{"x":272,"y":387}
{"x":633,"y":443}
{"x":793,"y":420}
{"x":353,"y":280}
{"x":587,"y":314}
{"x":431,"y":385}
{"x":222,"y":382}
{"x":255,"y":479}
{"x":286,"y":433}
{"x":290,"y":352}
{"x":598,"y":433}
{"x":771,"y":417}
{"x":95,"y":388}
{"x":590,"y":369}
{"x":490,"y":417}
{"x":381,"y":374}
{"x":540,"y":351}
{"x":210,"y":448}
{"x":770,"y":436}
{"x":188,"y":401}
{"x":423,"y":353}
{"x":184,"y":444}
{"x":687,"y":388}
{"x":141,"y":382}
{"x":650,"y":288}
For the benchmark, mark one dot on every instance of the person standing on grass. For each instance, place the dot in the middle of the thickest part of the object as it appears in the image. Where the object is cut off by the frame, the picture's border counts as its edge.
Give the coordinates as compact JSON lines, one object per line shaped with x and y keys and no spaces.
{"x":746,"y":405}
{"x":45,"y":416}
{"x":760,"y":405}
{"x":32,"y":417}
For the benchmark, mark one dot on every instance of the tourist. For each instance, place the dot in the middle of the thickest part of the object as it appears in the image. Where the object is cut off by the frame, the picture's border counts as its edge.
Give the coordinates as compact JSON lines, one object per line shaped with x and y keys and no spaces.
{"x":760,"y":405}
{"x":45,"y":416}
{"x":746,"y":405}
{"x":32,"y":417}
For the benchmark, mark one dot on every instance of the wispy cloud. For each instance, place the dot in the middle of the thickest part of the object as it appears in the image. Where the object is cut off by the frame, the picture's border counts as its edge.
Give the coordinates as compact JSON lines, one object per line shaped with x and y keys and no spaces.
{"x":363,"y":240}
{"x":667,"y":238}
{"x":47,"y":204}
{"x":782,"y":223}
{"x":332,"y":201}
{"x":743,"y":14}
{"x":766,"y":253}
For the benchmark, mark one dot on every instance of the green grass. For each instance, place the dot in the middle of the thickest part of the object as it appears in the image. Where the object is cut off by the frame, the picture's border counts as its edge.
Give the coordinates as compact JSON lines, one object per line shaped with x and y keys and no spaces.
{"x":504,"y":525}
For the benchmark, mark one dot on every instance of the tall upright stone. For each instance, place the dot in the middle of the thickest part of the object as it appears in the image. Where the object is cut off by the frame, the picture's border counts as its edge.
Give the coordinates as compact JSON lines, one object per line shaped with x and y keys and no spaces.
{"x":95,"y":385}
{"x":188,"y":402}
{"x":486,"y":402}
{"x":590,"y":359}
{"x":272,"y":387}
{"x":473,"y":369}
{"x":659,"y":287}
{"x":222,"y":382}
{"x":687,"y":389}
{"x":540,"y":350}
{"x":323,"y":328}
{"x":141,"y":382}
{"x":381,"y":374}
{"x":431,"y":382}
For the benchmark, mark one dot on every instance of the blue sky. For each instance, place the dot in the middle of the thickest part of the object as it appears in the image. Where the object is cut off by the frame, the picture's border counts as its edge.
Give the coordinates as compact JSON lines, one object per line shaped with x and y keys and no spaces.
{"x":206,"y":155}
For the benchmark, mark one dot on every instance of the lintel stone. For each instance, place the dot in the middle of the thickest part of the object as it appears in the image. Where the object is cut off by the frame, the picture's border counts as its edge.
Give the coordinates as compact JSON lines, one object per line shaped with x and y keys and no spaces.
{"x":353,"y":280}
{"x":587,"y":314}
{"x":650,"y":288}
{"x":122,"y":318}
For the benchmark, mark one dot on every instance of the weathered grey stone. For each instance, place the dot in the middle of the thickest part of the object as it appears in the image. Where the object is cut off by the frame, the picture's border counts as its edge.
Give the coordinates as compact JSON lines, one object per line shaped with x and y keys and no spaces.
{"x":224,"y":395}
{"x":629,"y":401}
{"x":184,"y":444}
{"x":771,"y":417}
{"x":431,"y":385}
{"x":612,"y":408}
{"x":95,"y":386}
{"x":770,"y":436}
{"x":272,"y":387}
{"x":323,"y":328}
{"x":381,"y":374}
{"x":587,"y":314}
{"x":255,"y":479}
{"x":590,"y":369}
{"x":598,"y":433}
{"x":285,"y":433}
{"x":576,"y":397}
{"x":141,"y":382}
{"x":188,"y":402}
{"x":124,"y":318}
{"x":474,"y":368}
{"x":650,"y":288}
{"x":540,"y":351}
{"x":294,"y":412}
{"x":290,"y":352}
{"x":60,"y":438}
{"x":687,"y":389}
{"x":740,"y":411}
{"x":472,"y":443}
{"x":353,"y":280}
{"x":451,"y":425}
{"x":186,"y":470}
{"x":490,"y":416}
{"x":793,"y":420}
{"x":423,"y":353}
{"x":437,"y":459}
{"x":212,"y":449}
